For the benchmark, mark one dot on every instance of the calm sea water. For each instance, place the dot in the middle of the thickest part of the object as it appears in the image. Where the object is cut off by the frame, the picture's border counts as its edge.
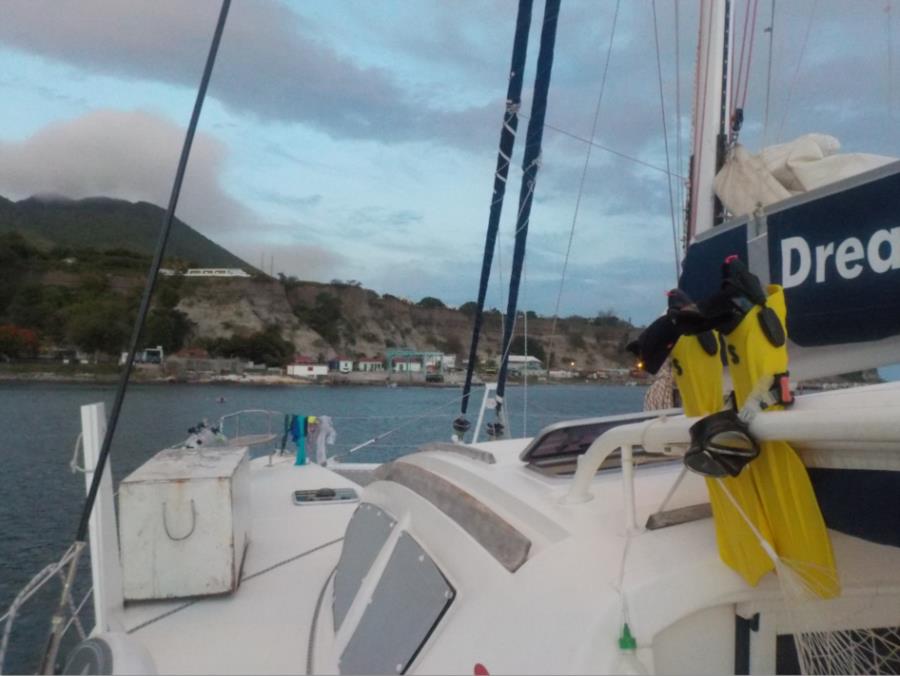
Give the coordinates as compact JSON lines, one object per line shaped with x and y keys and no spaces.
{"x":40,"y":498}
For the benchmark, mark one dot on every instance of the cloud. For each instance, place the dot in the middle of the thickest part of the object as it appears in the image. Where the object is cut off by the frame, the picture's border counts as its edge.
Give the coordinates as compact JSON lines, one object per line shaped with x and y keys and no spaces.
{"x":128,"y":155}
{"x":272,"y":64}
{"x":292,"y":201}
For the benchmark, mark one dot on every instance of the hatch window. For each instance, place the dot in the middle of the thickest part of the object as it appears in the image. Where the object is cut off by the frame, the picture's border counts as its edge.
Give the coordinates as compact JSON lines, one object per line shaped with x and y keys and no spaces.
{"x":366,"y":534}
{"x":409,"y":601}
{"x":555,"y":450}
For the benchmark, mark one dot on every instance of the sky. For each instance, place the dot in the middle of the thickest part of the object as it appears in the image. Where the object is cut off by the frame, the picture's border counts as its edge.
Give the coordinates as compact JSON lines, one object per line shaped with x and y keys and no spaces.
{"x":357,"y":139}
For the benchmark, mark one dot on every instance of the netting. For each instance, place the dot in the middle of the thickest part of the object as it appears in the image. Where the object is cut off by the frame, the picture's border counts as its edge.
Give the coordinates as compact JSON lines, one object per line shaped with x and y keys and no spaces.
{"x":834,"y":634}
{"x":838,"y":636}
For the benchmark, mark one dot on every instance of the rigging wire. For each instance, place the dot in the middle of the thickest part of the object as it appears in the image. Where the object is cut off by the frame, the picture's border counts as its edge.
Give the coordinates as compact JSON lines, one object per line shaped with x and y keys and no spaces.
{"x":525,"y":350}
{"x":679,"y":153}
{"x":787,"y":103}
{"x":699,"y":123}
{"x":746,"y":81}
{"x":587,"y":160}
{"x":771,"y":31}
{"x":152,"y":274}
{"x":504,"y":161}
{"x":662,"y":107}
{"x":742,"y":82}
{"x":600,"y":146}
{"x":736,"y":85}
{"x":890,"y":59}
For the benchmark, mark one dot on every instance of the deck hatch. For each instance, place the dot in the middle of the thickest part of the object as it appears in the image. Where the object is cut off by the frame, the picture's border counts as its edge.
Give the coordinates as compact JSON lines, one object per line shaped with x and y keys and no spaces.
{"x":367,"y":532}
{"x":410,"y":599}
{"x":500,"y":539}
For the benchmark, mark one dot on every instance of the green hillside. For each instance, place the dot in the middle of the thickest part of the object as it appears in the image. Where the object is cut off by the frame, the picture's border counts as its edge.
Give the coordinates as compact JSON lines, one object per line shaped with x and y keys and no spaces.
{"x":104,"y":223}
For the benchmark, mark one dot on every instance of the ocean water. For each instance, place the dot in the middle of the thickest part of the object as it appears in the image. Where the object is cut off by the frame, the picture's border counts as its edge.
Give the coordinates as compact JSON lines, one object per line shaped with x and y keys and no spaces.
{"x":41,"y":499}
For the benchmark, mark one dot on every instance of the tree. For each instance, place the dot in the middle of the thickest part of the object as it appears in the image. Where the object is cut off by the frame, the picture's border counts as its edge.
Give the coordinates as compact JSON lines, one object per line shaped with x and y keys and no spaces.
{"x":98,"y":326}
{"x":16,"y":255}
{"x":469,"y":309}
{"x":263,"y":347}
{"x":431,"y":303}
{"x":26,"y":308}
{"x":166,"y":327}
{"x":168,"y":292}
{"x":16,"y":342}
{"x":607,"y":319}
{"x":324,"y":317}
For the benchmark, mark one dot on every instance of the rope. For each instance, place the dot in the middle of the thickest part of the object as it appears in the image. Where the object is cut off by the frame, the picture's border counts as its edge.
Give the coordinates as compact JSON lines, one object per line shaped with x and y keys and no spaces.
{"x":381,"y":436}
{"x":75,"y":613}
{"x":311,"y":646}
{"x":787,"y":103}
{"x":245,"y":578}
{"x":587,"y":159}
{"x":73,"y":463}
{"x":662,"y":108}
{"x":29,"y":590}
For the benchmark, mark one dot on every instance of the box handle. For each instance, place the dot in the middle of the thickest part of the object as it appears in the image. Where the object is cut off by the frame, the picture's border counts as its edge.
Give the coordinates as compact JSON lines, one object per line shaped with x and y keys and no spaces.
{"x":193,"y":523}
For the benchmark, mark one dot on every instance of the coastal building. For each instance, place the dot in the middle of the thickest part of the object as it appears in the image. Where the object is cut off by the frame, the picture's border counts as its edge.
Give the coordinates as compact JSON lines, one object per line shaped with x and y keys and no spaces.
{"x":150,"y":355}
{"x":341,"y":364}
{"x":306,"y":367}
{"x":407,"y":359}
{"x":370,"y":364}
{"x":406,"y":365}
{"x":519,"y":363}
{"x":215,"y":272}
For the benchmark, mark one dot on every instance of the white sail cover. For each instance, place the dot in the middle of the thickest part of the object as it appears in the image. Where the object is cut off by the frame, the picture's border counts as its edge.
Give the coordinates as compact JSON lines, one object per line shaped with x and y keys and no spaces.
{"x":778,"y":172}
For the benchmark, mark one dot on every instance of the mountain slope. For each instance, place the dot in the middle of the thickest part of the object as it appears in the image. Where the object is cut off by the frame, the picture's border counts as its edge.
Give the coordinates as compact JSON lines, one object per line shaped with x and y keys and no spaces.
{"x":104,"y":223}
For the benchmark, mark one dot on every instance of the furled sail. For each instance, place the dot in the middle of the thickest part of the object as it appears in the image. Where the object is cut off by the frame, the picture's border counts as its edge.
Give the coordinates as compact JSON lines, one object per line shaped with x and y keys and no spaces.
{"x":778,"y":172}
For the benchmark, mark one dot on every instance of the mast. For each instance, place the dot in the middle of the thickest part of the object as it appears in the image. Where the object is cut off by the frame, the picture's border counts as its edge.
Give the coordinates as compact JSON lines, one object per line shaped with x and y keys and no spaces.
{"x":711,"y":97}
{"x":504,"y":159}
{"x":530,"y":163}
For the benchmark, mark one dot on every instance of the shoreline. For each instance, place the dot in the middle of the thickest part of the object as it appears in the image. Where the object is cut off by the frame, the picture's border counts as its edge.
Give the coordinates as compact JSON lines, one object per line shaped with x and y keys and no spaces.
{"x":273,"y":380}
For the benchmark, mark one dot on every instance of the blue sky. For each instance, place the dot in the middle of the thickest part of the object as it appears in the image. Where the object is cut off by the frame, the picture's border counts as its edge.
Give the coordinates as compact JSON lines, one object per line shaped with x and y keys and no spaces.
{"x":357,"y":139}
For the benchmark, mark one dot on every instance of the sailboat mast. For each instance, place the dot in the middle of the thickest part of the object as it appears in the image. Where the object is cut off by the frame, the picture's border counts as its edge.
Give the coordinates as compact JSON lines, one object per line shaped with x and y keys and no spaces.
{"x":530,"y":163}
{"x":504,"y":159}
{"x":711,"y":96}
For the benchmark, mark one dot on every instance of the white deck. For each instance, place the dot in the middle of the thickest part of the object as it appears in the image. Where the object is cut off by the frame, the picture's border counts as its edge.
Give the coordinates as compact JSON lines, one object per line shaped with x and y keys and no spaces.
{"x":264,"y":627}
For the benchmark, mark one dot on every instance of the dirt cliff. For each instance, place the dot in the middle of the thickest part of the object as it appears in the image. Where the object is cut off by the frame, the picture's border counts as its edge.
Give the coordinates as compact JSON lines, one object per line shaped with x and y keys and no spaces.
{"x":330,"y":319}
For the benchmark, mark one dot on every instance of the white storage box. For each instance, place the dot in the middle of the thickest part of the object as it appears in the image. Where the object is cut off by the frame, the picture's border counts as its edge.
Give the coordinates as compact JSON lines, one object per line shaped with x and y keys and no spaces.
{"x":184,"y":518}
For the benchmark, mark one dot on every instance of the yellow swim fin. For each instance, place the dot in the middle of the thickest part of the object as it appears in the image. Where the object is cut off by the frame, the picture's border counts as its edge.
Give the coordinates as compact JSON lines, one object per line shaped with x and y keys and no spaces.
{"x":697,"y":367}
{"x":797,"y":529}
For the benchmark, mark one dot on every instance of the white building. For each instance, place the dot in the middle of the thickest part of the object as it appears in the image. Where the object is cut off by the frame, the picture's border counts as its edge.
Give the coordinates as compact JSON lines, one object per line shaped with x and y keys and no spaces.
{"x":519,"y":363}
{"x":341,"y":364}
{"x":448,"y":362}
{"x":370,"y":365}
{"x":215,"y":272}
{"x":407,"y":365}
{"x":307,"y":370}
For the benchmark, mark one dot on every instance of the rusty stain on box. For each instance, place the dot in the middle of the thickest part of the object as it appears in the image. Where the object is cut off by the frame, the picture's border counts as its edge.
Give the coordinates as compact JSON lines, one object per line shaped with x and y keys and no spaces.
{"x":184,"y":520}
